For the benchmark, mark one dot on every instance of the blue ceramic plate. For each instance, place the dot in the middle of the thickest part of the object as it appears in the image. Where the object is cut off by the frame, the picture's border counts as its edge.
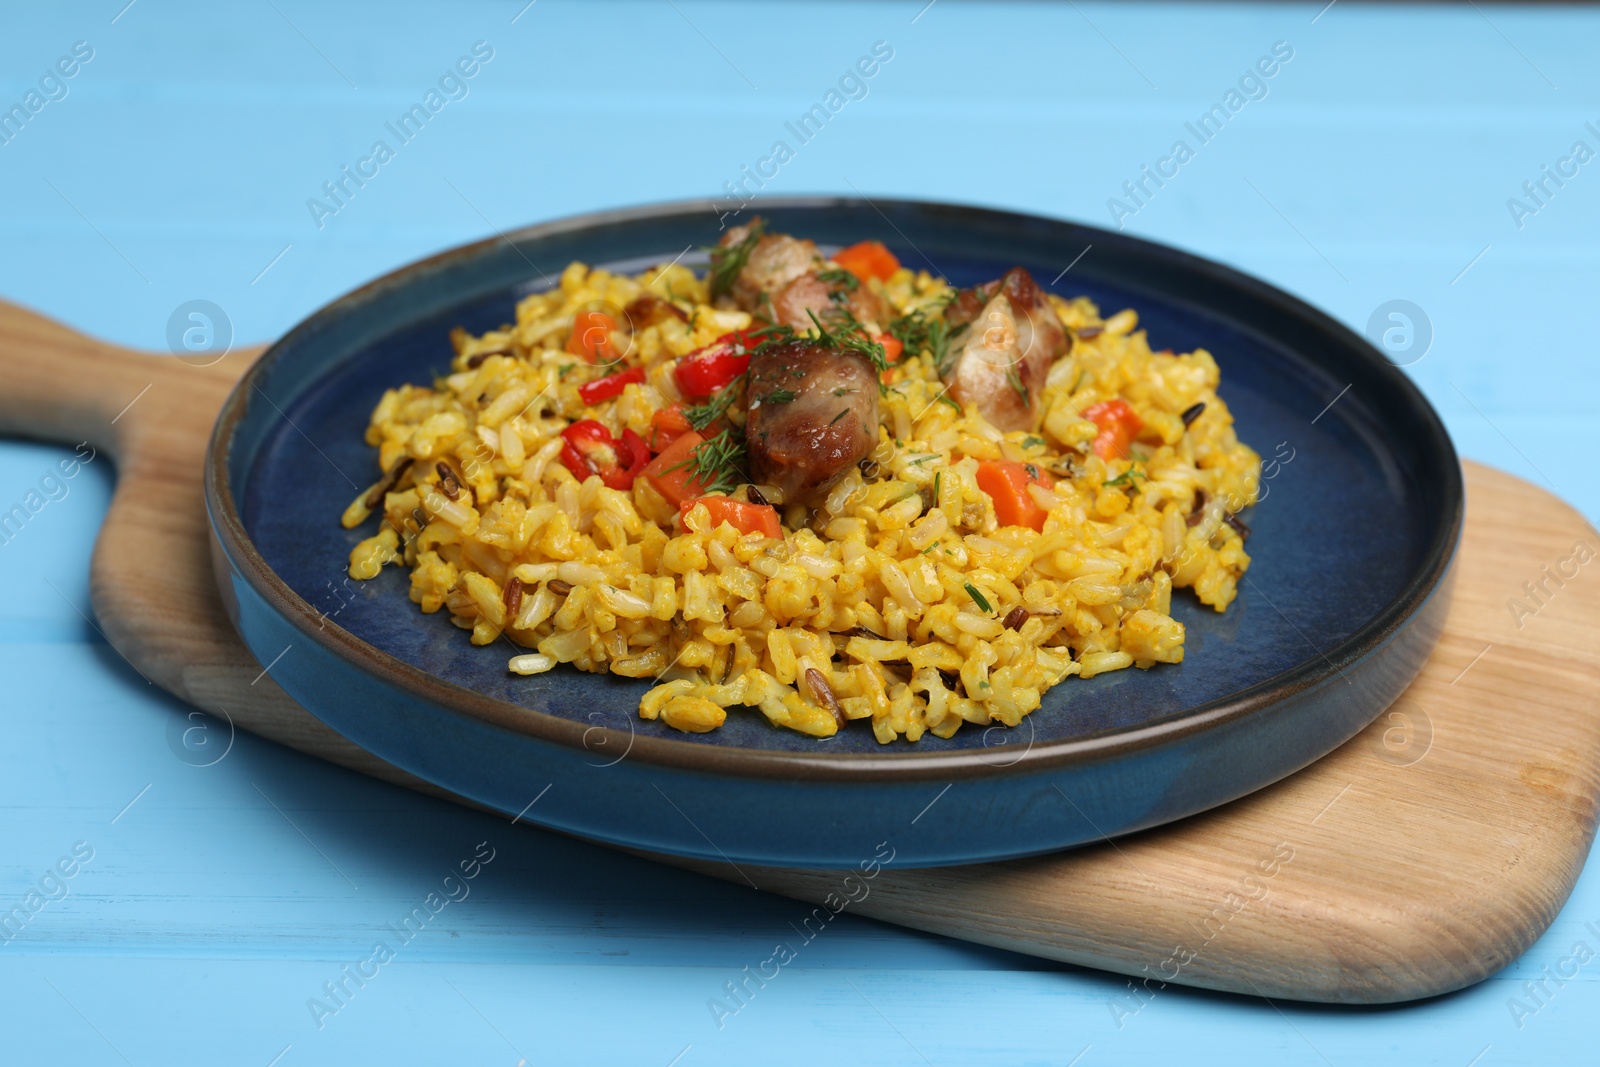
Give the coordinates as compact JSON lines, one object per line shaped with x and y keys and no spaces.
{"x":1352,"y":547}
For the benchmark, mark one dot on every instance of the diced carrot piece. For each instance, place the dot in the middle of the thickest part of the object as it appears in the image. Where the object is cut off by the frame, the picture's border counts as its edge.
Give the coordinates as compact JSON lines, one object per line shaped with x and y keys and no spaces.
{"x":1007,"y":485}
{"x":892,"y":346}
{"x":679,"y":484}
{"x":869,"y":259}
{"x":1118,"y":427}
{"x":667,"y":425}
{"x":591,"y":337}
{"x":742,"y":516}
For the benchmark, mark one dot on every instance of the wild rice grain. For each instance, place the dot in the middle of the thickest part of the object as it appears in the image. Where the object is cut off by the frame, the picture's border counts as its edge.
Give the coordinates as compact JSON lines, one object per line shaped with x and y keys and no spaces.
{"x":1192,"y":413}
{"x":381,"y":490}
{"x":475,"y":360}
{"x":1239,"y":526}
{"x":449,"y":484}
{"x":512,"y":598}
{"x":1016,"y":617}
{"x":824,"y":695}
{"x":558,"y":587}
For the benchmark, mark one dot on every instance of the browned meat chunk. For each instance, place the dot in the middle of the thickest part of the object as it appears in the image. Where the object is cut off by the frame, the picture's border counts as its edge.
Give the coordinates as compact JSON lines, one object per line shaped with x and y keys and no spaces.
{"x":773,"y":261}
{"x":782,"y":279}
{"x":825,"y":295}
{"x":811,"y":415}
{"x":1001,"y":360}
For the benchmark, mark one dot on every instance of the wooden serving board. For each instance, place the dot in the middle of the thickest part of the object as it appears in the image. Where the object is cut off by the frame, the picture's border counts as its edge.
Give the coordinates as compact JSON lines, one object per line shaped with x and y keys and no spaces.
{"x":1424,"y":855}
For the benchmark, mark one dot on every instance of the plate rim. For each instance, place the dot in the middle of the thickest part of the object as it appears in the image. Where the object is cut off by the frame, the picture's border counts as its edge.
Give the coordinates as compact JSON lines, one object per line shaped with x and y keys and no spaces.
{"x":229,"y":535}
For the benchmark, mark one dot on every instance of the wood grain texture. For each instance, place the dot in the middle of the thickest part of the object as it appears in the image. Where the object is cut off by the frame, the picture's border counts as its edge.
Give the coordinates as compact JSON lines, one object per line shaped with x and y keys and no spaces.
{"x":1422,"y":856}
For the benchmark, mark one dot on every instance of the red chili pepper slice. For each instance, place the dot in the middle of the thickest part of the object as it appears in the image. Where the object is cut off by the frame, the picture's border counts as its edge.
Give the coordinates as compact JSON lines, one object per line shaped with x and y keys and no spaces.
{"x":587,"y":448}
{"x":609,"y":386}
{"x":705,"y":370}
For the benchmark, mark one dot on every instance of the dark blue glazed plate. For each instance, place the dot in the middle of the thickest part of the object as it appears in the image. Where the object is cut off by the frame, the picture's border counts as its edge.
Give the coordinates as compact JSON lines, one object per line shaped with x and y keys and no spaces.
{"x":1346,"y":596}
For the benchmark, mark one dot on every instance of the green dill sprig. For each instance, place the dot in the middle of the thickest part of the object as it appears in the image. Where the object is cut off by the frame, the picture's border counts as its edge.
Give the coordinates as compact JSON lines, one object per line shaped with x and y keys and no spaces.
{"x":726,"y":263}
{"x":1014,"y":380}
{"x":852,"y":337}
{"x":922,"y":334}
{"x":1127,"y":477}
{"x":702,"y":415}
{"x":771,"y":337}
{"x":978,"y":598}
{"x":841,"y":283}
{"x":840,"y":277}
{"x":717,"y":463}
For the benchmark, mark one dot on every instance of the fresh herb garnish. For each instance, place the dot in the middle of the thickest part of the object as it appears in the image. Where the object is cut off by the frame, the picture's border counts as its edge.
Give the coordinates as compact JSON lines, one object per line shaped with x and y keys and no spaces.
{"x":946,"y":398}
{"x":565,"y":369}
{"x":726,"y":263}
{"x":936,"y":476}
{"x":780,"y":396}
{"x":702,"y":415}
{"x":717,"y":463}
{"x":1032,"y":442}
{"x":1015,"y":381}
{"x":839,"y":416}
{"x":922,"y":334}
{"x":843,"y":391}
{"x":770,"y":337}
{"x":852,"y":337}
{"x":1127,"y":477}
{"x":1033,"y":472}
{"x":977,"y":597}
{"x":930,"y":548}
{"x":841,"y":283}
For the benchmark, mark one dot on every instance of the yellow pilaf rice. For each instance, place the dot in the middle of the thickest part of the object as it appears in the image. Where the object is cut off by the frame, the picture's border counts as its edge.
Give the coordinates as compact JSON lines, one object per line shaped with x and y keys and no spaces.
{"x":895,"y":589}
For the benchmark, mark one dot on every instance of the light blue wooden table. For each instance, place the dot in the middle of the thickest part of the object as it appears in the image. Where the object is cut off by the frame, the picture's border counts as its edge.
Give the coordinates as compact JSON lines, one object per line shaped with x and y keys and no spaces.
{"x":176,"y":163}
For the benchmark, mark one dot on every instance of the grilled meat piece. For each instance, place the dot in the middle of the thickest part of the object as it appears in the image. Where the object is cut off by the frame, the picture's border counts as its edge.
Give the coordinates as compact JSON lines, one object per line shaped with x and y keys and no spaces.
{"x":774,"y":261}
{"x":810,"y":294}
{"x":1002,"y":358}
{"x":781,"y":282}
{"x":811,"y":415}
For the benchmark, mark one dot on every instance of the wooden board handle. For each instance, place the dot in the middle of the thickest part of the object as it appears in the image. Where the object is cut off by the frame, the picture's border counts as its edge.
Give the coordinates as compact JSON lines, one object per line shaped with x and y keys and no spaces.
{"x":63,"y":386}
{"x":153,"y":414}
